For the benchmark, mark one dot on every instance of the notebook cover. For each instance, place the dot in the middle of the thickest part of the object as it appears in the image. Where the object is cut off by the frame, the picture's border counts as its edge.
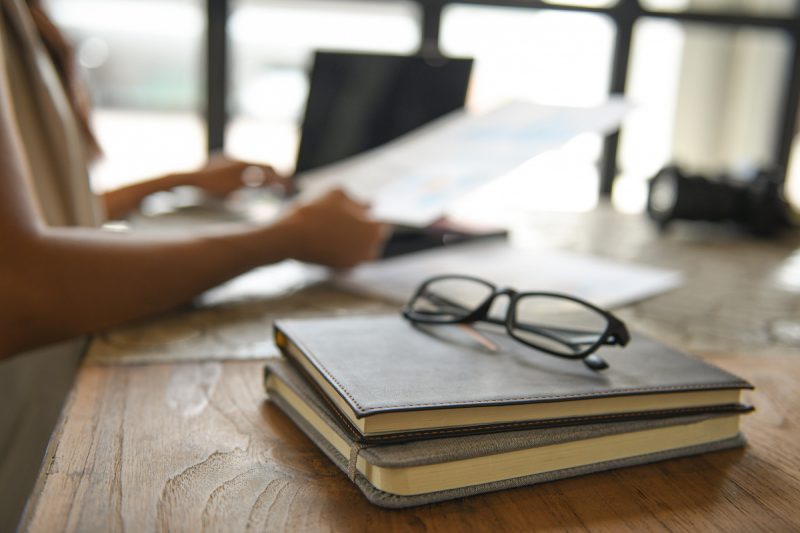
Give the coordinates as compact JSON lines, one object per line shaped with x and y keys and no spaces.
{"x":455,"y":448}
{"x":383,"y":363}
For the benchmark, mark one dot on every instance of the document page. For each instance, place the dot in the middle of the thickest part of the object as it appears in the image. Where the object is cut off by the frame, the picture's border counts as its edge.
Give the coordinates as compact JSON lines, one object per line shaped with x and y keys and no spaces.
{"x":412,"y":180}
{"x":604,"y":282}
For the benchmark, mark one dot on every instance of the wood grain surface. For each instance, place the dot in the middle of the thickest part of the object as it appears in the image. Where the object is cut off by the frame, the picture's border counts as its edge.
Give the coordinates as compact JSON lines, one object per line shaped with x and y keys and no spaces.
{"x":196,"y":446}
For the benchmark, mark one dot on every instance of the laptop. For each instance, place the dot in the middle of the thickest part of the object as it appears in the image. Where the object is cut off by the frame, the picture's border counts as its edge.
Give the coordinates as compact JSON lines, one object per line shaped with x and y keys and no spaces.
{"x":358,"y":101}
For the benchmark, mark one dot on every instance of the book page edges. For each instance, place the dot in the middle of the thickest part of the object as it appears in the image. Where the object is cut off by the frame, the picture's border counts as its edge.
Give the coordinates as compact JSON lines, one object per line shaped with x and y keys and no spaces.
{"x":423,"y":419}
{"x":423,"y":479}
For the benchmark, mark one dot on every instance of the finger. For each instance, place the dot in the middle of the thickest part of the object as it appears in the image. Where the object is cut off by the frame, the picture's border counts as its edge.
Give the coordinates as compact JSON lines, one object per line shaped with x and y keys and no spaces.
{"x":273,"y":176}
{"x":337,"y":194}
{"x":262,"y":176}
{"x":253,"y":176}
{"x":356,"y":205}
{"x":277,"y":181}
{"x":384,"y":231}
{"x":363,"y":205}
{"x":217,"y":160}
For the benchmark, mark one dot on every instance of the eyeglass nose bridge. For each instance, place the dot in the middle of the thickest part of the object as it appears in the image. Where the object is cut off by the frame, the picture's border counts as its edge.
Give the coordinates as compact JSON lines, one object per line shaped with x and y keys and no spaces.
{"x":483,"y":310}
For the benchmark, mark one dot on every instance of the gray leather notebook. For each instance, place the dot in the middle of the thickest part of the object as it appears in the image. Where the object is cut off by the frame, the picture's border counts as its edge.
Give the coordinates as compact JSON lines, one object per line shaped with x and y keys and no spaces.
{"x":390,"y":380}
{"x":427,"y":471}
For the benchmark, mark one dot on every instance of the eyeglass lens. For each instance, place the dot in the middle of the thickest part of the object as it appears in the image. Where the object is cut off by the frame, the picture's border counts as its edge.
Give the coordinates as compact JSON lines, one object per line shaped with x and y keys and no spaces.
{"x":556,"y":324}
{"x":451,"y":298}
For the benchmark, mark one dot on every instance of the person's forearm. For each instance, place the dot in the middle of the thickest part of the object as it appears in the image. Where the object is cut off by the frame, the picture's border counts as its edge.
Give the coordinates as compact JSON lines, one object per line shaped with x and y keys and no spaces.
{"x":121,"y":202}
{"x":78,"y":281}
{"x":219,"y":177}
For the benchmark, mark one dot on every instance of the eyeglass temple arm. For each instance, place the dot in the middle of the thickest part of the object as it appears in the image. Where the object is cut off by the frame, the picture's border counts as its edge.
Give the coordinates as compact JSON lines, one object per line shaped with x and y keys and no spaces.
{"x":612,"y":339}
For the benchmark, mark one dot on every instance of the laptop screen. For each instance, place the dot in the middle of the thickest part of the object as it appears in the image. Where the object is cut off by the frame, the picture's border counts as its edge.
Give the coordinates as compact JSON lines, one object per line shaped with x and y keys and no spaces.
{"x":360,"y":101}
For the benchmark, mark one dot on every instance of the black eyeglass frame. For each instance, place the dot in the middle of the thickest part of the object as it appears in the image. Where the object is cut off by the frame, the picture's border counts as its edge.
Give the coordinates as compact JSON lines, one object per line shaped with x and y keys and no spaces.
{"x":615,"y":333}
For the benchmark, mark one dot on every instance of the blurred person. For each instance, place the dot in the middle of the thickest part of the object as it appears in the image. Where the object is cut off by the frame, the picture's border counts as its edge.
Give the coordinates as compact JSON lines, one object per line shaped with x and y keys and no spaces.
{"x":62,"y":276}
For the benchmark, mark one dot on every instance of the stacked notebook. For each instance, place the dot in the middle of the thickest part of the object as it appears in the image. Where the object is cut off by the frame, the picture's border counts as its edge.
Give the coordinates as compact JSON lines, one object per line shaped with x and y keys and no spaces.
{"x":418,"y":414}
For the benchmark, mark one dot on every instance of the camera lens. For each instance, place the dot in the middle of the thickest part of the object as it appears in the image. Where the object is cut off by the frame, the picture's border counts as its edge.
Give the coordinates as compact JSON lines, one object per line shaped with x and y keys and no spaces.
{"x":757,"y":204}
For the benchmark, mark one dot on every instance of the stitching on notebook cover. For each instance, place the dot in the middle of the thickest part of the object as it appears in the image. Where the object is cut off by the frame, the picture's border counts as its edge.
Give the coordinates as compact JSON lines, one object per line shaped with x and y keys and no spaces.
{"x":352,"y":462}
{"x":603,"y":466}
{"x":556,"y":422}
{"x":671,"y":388}
{"x":552,"y":422}
{"x":348,"y":426}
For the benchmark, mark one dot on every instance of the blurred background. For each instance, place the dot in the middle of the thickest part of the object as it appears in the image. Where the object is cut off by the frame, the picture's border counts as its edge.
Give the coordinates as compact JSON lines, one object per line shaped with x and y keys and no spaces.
{"x":709,"y":94}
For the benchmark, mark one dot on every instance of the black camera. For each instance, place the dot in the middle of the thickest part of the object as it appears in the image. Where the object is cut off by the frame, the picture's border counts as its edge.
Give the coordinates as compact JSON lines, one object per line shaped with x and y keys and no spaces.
{"x":757,"y":204}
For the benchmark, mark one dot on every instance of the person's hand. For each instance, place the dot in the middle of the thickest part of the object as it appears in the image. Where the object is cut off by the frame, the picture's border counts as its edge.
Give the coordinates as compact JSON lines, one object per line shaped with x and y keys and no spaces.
{"x":334,"y":231}
{"x":222,"y":176}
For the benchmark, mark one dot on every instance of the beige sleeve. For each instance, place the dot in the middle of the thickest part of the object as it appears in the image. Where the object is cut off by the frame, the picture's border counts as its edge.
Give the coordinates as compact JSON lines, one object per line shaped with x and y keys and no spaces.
{"x":51,"y":141}
{"x":8,"y":119}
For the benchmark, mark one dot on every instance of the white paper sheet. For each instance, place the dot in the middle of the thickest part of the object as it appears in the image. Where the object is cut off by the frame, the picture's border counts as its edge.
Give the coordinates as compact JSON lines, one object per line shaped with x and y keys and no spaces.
{"x":603,"y":282}
{"x":413,"y":179}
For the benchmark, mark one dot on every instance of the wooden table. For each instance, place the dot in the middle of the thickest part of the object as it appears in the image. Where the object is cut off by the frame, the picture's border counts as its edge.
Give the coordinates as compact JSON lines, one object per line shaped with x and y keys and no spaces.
{"x":196,"y":446}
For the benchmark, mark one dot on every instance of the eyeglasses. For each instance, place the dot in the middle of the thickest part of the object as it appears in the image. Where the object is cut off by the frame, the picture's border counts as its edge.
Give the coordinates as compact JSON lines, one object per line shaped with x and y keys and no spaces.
{"x":554,"y":323}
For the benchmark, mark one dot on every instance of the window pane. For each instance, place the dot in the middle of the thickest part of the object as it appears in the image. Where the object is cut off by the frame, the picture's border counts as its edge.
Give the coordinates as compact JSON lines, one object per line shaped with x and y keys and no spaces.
{"x":142,"y":60}
{"x":709,"y":100}
{"x":583,"y":3}
{"x":548,"y":57}
{"x":272,"y":44}
{"x":653,"y":80}
{"x":761,"y":8}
